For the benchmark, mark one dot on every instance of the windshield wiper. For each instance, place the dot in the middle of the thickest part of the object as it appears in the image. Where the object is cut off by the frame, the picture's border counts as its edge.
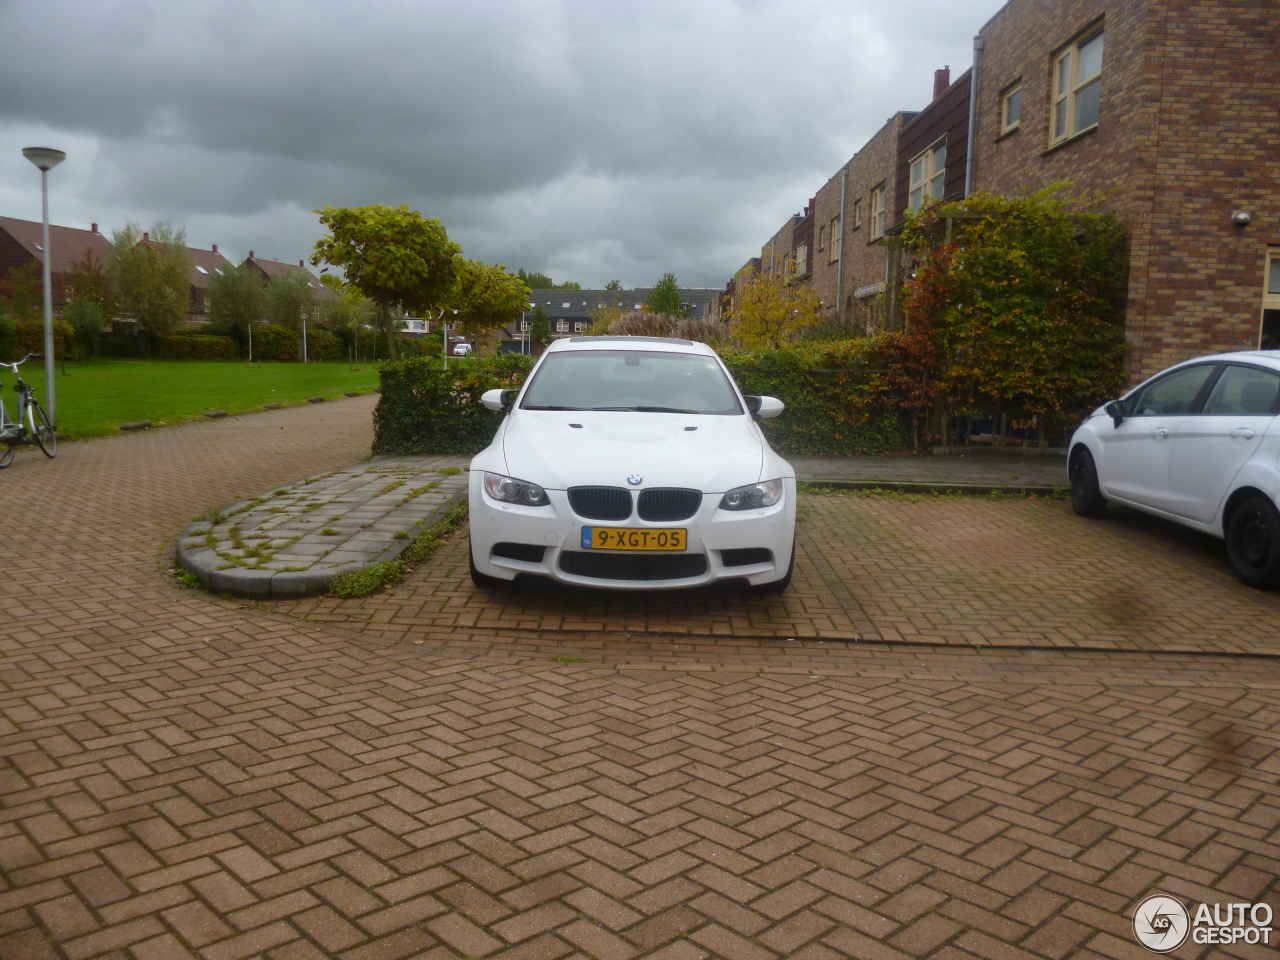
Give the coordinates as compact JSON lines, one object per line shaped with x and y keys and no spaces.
{"x":647,"y":409}
{"x":532,"y":407}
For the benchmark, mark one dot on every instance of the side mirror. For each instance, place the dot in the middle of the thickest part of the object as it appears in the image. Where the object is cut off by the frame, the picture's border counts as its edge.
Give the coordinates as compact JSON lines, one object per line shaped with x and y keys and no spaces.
{"x":1116,"y":411}
{"x":764,"y":408}
{"x":498,"y":400}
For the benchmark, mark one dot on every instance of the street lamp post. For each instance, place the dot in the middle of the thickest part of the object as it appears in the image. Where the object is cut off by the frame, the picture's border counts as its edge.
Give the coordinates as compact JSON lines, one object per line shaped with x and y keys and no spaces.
{"x":46,"y":158}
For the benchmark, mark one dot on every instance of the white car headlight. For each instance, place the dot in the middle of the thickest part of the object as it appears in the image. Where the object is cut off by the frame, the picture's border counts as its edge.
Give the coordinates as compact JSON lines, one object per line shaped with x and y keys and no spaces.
{"x":510,"y":490}
{"x":764,"y":494}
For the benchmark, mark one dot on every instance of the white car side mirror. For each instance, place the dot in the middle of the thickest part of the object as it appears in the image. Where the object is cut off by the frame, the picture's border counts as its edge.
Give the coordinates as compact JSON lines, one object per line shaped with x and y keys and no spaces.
{"x":769,"y":407}
{"x":494,"y":400}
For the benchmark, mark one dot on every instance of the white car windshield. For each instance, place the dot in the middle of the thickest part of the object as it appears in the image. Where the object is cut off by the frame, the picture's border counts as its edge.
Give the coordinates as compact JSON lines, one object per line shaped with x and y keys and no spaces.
{"x":631,"y":380}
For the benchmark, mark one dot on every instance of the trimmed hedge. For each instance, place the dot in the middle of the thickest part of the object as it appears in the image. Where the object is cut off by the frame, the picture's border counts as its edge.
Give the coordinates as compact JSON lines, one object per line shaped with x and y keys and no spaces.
{"x":274,"y":342}
{"x":193,"y":348}
{"x":324,"y":345}
{"x":423,"y":410}
{"x":829,"y":407}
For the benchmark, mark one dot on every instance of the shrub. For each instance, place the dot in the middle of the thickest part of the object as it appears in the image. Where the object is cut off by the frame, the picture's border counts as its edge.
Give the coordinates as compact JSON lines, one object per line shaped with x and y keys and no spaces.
{"x":193,"y":348}
{"x":8,"y":337}
{"x":274,"y":342}
{"x":324,"y":345}
{"x":830,"y":407}
{"x":423,"y":409}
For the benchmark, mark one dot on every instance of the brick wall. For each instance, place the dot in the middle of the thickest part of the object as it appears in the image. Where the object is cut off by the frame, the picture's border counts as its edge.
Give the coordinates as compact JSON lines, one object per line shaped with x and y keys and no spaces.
{"x":1186,"y":134}
{"x":946,"y":117}
{"x":777,"y":250}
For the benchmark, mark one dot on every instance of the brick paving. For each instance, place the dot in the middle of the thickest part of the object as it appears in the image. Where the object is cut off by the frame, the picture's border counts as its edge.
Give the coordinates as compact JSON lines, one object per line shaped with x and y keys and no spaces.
{"x":187,"y":776}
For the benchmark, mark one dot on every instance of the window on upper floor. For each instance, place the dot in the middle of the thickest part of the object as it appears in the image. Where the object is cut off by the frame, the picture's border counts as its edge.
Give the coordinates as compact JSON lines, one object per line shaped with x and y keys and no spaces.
{"x":802,"y":259}
{"x":928,"y":174}
{"x":822,"y":238}
{"x":1077,"y":87}
{"x":877,"y":212}
{"x":836,"y":239}
{"x":857,"y":214}
{"x":1011,"y":108}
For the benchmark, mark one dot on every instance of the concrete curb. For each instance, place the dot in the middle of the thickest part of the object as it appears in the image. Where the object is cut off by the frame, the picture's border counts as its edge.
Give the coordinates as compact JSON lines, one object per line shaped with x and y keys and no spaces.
{"x":915,"y":486}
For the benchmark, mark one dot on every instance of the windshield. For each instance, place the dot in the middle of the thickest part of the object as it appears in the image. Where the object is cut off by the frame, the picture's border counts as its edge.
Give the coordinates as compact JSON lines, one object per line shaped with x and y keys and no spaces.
{"x":633,"y":380}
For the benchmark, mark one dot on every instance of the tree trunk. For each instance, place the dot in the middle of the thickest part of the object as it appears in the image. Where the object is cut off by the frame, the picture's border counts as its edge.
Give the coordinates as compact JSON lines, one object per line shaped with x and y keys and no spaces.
{"x":389,"y":328}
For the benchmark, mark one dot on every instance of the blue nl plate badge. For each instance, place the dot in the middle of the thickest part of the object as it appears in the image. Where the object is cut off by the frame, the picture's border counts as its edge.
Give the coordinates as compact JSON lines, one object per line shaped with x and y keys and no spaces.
{"x":586,"y":537}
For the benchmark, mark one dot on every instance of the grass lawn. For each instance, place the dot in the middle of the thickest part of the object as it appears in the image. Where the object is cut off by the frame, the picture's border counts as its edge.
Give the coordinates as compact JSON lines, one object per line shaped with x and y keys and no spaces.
{"x":99,"y":394}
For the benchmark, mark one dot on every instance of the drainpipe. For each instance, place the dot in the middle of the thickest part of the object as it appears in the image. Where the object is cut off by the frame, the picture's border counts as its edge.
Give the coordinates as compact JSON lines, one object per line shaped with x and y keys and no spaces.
{"x":978,"y":44}
{"x":844,"y":185}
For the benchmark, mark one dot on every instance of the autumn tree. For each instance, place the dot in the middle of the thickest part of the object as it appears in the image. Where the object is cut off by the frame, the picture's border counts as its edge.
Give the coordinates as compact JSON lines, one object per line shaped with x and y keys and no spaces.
{"x":665,"y":297}
{"x":487,"y":298}
{"x":150,"y":275}
{"x":89,"y":280}
{"x":236,"y":299}
{"x":771,"y":310}
{"x":392,"y":255}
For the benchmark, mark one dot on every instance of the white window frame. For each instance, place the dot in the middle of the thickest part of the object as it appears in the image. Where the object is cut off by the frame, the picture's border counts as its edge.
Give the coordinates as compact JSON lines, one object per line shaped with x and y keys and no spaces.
{"x":822,"y":237}
{"x":562,"y":326}
{"x":928,"y":171}
{"x":877,"y":211}
{"x":802,"y":259}
{"x":857,"y":213}
{"x":837,"y":237}
{"x":1006,"y":97}
{"x":1066,"y":86}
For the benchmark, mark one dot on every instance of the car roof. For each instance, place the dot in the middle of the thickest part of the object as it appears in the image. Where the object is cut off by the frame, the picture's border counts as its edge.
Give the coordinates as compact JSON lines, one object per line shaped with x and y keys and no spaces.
{"x":1266,"y":358}
{"x":652,"y":344}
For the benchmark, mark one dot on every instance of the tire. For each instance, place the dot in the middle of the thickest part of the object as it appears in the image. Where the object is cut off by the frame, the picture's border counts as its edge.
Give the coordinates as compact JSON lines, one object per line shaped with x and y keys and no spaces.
{"x":1253,"y":543}
{"x":42,"y":431}
{"x":6,"y":453}
{"x":777,"y":586}
{"x":481,"y":579}
{"x":1086,"y":499}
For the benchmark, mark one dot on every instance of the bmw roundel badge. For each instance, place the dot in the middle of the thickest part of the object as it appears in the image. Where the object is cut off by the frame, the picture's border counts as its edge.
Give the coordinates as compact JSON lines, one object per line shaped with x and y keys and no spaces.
{"x":635,"y":479}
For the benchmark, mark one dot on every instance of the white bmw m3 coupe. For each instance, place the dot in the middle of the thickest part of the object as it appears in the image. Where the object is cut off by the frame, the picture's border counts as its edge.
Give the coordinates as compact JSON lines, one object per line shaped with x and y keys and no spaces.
{"x":631,"y":463}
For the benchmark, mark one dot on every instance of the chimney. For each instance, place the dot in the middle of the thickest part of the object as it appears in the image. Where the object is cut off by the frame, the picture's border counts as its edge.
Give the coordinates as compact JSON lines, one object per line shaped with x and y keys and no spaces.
{"x":215,"y":248}
{"x":93,"y":228}
{"x":941,"y":80}
{"x":299,"y":263}
{"x":146,"y":238}
{"x":250,"y":254}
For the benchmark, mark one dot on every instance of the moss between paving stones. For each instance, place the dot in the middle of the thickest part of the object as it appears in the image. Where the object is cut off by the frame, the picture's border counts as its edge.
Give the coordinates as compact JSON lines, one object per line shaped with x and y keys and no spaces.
{"x":361,"y":583}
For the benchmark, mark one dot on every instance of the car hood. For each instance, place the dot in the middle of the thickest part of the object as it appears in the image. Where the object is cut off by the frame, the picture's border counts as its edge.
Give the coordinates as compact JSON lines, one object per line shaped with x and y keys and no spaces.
{"x":723,"y":452}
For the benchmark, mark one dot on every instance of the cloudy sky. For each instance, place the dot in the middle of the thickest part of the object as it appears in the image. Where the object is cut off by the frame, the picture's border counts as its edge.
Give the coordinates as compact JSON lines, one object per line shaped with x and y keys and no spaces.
{"x":589,"y":139}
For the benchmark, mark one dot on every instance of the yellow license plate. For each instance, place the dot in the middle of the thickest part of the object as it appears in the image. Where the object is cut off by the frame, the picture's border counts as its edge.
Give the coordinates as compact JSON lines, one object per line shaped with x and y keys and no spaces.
{"x":629,"y":538}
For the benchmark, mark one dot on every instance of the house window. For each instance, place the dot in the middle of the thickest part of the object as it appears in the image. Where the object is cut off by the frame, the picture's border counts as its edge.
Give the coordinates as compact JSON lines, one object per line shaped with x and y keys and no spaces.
{"x":802,"y":259}
{"x":562,"y":326}
{"x":877,"y":212}
{"x":579,"y":326}
{"x":928,"y":171}
{"x":206,"y":304}
{"x":524,"y":326}
{"x":822,"y":238}
{"x":1011,"y":108}
{"x":835,"y":239}
{"x":1270,"y":334}
{"x":1077,"y":87}
{"x":857,"y":214}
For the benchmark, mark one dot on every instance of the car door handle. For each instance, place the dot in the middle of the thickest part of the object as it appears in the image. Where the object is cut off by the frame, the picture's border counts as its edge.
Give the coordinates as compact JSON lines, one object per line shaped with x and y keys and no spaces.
{"x":1159,"y":433}
{"x":1242,"y":433}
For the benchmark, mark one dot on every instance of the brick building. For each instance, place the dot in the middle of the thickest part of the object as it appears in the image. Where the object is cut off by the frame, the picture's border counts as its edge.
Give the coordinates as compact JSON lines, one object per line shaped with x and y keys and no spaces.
{"x":21,"y":243}
{"x":1166,"y":108}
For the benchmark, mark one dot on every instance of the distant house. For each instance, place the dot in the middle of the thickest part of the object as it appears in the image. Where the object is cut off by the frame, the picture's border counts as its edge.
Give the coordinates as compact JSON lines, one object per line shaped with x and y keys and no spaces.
{"x":570,"y":310}
{"x":21,"y":242}
{"x":277,"y":268}
{"x":205,"y":265}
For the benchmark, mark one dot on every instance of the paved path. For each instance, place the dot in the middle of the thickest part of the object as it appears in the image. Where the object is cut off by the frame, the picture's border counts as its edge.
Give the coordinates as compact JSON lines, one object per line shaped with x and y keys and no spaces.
{"x":187,"y":776}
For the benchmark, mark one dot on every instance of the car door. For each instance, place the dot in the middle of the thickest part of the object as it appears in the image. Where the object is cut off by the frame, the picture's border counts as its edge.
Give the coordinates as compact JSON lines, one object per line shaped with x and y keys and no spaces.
{"x":1211,"y":446}
{"x":1136,"y":455}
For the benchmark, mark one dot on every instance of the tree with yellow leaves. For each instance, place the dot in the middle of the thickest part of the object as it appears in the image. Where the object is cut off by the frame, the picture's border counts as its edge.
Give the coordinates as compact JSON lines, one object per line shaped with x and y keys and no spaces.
{"x":771,"y":309}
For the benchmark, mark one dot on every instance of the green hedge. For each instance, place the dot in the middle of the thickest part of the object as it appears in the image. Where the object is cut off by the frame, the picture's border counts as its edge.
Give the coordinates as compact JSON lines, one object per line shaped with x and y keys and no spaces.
{"x":828,"y":407}
{"x":423,"y":410}
{"x":324,"y":345}
{"x":193,"y":348}
{"x":274,"y":342}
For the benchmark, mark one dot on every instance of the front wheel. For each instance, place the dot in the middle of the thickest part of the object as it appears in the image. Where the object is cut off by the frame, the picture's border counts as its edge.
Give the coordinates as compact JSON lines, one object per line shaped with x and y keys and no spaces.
{"x":6,"y":453}
{"x":1253,"y":543}
{"x":1086,"y":498}
{"x":42,"y":430}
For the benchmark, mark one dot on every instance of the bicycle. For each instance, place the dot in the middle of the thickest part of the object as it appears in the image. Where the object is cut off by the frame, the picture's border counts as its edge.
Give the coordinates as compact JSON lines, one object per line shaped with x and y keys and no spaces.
{"x":37,"y":429}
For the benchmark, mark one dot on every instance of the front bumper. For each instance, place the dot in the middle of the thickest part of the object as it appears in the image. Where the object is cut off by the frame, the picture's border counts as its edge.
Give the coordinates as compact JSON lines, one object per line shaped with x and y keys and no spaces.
{"x":557,"y":531}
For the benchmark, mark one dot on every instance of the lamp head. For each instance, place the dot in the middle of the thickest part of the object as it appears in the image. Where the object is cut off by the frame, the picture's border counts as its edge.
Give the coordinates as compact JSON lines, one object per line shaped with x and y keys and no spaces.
{"x":1241,"y":218}
{"x":46,"y":158}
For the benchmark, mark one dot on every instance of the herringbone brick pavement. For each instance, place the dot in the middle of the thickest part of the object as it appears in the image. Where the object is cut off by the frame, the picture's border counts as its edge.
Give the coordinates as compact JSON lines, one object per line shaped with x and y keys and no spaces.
{"x":183,"y":776}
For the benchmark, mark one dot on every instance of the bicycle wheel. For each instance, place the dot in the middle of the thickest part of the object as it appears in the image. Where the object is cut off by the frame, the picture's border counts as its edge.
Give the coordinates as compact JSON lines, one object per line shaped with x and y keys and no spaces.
{"x":41,"y":430}
{"x":6,"y":453}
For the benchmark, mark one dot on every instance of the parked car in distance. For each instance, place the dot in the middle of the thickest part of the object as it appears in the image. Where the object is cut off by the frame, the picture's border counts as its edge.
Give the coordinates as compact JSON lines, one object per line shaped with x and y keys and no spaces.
{"x":462,"y":349}
{"x":1198,"y":444}
{"x":631,"y":463}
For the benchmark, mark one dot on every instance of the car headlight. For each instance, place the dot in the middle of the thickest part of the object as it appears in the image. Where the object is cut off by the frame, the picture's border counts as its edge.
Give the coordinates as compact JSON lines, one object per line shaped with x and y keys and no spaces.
{"x":764,"y":494}
{"x":509,"y":490}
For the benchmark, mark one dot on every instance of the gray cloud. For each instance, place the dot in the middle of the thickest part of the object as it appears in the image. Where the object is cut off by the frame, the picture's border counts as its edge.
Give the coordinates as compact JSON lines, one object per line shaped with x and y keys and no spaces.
{"x":588,"y":138}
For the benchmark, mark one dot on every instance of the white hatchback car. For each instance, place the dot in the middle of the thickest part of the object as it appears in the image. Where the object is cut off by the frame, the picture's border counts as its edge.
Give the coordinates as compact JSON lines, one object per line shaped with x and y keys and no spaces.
{"x":631,"y":463}
{"x":1198,"y":444}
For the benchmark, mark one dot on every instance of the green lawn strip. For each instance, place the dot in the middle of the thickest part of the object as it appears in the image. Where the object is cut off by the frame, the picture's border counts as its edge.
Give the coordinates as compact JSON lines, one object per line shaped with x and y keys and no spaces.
{"x":361,"y":583}
{"x":99,"y":394}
